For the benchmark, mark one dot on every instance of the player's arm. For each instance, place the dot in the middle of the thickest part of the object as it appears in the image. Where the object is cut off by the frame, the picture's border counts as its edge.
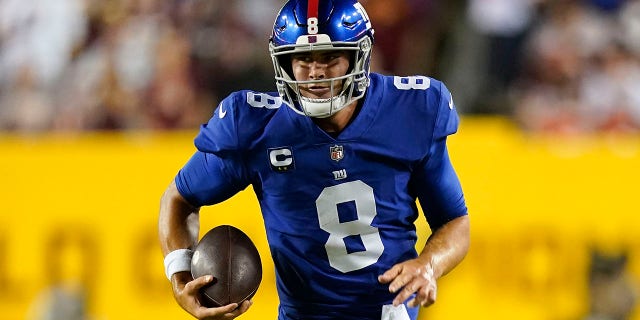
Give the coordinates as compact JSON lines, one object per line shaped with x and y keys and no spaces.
{"x":443,"y":203}
{"x":442,"y":200}
{"x":178,"y":229}
{"x":444,"y":250}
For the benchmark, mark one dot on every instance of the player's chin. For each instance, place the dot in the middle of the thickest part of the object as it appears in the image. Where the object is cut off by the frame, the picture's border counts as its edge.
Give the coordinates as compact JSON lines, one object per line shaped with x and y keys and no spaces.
{"x":312,"y":95}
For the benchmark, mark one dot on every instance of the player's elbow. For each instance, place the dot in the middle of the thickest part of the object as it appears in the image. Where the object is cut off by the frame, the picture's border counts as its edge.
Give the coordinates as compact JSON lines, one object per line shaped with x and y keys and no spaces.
{"x":176,"y":214}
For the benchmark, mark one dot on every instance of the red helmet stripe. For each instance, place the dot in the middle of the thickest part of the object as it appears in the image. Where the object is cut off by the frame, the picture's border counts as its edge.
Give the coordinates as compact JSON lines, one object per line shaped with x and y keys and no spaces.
{"x":312,"y":9}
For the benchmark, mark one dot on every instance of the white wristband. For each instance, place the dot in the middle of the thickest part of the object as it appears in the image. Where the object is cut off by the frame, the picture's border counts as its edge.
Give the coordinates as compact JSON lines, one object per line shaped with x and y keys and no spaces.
{"x":177,"y":261}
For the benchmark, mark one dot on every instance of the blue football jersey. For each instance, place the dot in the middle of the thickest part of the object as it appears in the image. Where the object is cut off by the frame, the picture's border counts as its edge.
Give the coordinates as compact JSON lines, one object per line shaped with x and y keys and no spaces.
{"x":338,"y":211}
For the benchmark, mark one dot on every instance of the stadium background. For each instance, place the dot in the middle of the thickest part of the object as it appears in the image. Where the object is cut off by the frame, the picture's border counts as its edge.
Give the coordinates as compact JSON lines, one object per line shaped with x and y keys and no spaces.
{"x":83,"y":165}
{"x":87,"y":205}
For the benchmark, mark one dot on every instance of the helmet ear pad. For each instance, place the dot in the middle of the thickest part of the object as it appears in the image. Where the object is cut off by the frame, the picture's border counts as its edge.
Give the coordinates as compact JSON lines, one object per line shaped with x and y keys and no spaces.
{"x":285,"y":62}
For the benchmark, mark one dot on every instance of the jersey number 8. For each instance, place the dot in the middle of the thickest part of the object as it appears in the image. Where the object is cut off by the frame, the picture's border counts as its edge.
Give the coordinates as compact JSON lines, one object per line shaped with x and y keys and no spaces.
{"x":327,"y":205}
{"x":413,"y":82}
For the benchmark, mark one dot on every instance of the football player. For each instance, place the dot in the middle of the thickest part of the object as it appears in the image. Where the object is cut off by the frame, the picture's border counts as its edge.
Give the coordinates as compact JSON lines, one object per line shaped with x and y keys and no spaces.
{"x":337,"y":158}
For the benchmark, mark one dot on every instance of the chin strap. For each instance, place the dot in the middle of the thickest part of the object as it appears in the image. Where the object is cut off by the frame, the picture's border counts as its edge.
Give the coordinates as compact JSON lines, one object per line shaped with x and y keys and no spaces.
{"x":322,"y":108}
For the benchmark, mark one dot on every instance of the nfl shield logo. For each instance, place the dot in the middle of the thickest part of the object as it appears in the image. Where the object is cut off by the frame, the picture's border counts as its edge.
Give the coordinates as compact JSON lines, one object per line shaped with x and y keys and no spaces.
{"x":337,"y":152}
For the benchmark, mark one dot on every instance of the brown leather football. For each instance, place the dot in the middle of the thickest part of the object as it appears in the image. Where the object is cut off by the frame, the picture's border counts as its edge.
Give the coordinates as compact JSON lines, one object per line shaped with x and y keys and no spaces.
{"x":229,"y":255}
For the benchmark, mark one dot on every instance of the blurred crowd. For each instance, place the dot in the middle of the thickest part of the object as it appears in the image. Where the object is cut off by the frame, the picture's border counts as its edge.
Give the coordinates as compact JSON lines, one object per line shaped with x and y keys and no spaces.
{"x":581,"y":69}
{"x":127,"y":64}
{"x":551,"y":65}
{"x":559,"y":66}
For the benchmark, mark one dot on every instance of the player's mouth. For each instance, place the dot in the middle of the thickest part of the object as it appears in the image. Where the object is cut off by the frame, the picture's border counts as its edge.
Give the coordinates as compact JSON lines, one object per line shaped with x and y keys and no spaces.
{"x":318,"y":91}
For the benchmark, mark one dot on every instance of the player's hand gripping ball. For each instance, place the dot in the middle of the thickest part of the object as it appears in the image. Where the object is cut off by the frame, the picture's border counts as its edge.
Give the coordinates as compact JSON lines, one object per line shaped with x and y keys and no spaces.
{"x":229,"y":255}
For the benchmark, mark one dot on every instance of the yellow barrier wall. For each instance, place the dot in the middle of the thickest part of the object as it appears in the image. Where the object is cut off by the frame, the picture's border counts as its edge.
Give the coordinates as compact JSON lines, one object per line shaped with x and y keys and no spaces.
{"x":86,"y":206}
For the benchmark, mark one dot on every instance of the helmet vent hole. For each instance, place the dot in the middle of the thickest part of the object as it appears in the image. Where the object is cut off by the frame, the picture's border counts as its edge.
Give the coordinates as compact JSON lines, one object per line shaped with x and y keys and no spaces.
{"x":348,"y":24}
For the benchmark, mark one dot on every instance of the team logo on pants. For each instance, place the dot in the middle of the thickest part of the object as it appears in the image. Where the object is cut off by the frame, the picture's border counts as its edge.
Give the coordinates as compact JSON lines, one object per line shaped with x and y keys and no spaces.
{"x":336,"y":152}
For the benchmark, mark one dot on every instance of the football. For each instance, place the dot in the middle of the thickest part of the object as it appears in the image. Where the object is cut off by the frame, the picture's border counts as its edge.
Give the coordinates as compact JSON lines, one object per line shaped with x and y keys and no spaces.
{"x":229,"y":255}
